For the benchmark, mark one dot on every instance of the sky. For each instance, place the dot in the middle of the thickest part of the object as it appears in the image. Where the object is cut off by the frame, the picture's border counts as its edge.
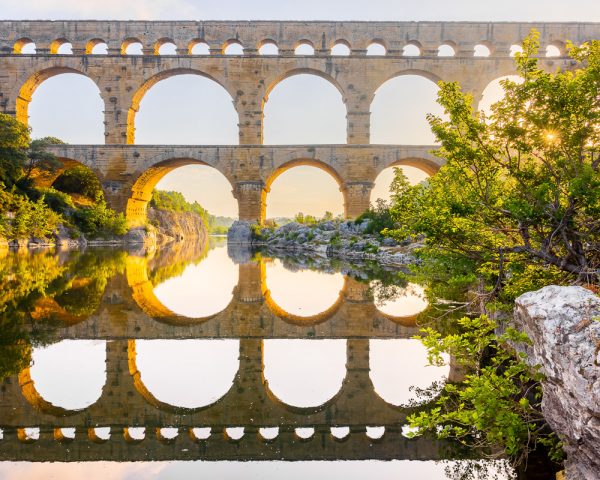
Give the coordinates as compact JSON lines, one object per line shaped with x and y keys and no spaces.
{"x":302,"y":109}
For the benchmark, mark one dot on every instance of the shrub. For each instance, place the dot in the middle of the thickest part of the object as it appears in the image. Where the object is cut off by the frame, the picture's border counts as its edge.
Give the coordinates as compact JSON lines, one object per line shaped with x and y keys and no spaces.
{"x":100,"y":220}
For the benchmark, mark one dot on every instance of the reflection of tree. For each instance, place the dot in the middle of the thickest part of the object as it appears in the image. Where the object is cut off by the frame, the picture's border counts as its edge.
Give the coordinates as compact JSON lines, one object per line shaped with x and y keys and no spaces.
{"x":174,"y":258}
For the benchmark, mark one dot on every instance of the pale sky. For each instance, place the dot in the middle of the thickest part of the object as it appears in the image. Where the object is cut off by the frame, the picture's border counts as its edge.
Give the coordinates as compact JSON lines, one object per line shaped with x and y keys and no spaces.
{"x":302,"y":109}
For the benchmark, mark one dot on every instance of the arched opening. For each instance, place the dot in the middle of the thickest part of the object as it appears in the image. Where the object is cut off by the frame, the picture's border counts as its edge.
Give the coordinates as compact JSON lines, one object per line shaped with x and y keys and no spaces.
{"x":341,"y":49}
{"x":61,"y":46}
{"x":233,"y":47}
{"x":132,"y":46}
{"x":183,"y":373}
{"x":383,"y":181}
{"x":165,"y":47}
{"x":63,"y":104}
{"x":394,"y":383}
{"x":482,"y":51}
{"x":303,"y":293}
{"x":304,"y":373}
{"x":199,"y":48}
{"x":203,"y":289}
{"x":268,"y":47}
{"x":446,"y":50}
{"x":187,"y":108}
{"x":400,"y":108}
{"x":304,"y":186}
{"x":411,"y":50}
{"x":69,"y":374}
{"x":97,"y":46}
{"x":408,"y":302}
{"x":553,"y":51}
{"x":304,"y":48}
{"x":185,"y":176}
{"x":24,"y":46}
{"x":494,"y":92}
{"x":376,"y":49}
{"x":304,"y":109}
{"x":514,"y":49}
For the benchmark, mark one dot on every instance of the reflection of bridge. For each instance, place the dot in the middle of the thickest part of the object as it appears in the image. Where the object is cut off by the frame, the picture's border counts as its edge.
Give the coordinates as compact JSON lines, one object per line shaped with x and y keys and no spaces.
{"x":128,"y":173}
{"x":130,"y":309}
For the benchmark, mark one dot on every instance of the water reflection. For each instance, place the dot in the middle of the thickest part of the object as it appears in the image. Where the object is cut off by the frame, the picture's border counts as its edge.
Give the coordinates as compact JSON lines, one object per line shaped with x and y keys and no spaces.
{"x":279,"y":359}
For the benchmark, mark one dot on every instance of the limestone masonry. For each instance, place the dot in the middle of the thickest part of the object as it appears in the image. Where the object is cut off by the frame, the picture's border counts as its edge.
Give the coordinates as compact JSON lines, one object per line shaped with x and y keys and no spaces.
{"x":128,"y":172}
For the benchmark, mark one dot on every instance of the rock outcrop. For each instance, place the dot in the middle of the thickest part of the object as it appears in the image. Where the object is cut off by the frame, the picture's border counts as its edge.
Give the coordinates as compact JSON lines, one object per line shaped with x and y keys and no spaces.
{"x":176,"y":226}
{"x":564,"y":326}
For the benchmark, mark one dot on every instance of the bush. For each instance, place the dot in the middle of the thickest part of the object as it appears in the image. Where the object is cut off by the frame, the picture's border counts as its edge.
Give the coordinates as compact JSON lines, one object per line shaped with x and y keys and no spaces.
{"x":80,"y":180}
{"x":379,"y":218}
{"x":100,"y":220}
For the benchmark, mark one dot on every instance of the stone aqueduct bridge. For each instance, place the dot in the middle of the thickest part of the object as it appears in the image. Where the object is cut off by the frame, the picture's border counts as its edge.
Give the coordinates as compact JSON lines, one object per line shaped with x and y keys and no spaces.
{"x":129,"y":172}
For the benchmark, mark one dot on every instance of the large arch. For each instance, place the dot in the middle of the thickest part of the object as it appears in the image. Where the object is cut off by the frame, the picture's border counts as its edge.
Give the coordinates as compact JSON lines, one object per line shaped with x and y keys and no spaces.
{"x":141,"y":191}
{"x":301,"y":162}
{"x":158,"y":368}
{"x":149,"y":83}
{"x":47,"y":384}
{"x":31,"y":85}
{"x":398,"y":112}
{"x":296,"y":100}
{"x":493,"y":92}
{"x":415,"y":169}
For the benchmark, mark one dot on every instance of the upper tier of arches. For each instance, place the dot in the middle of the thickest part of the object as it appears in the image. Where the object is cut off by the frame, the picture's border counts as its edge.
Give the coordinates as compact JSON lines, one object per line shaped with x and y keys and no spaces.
{"x":321,"y":37}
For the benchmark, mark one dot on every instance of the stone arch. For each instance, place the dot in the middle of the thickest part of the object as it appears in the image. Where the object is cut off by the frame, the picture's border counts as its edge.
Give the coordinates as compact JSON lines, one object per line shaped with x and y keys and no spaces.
{"x":340,"y":42}
{"x":145,"y":392}
{"x":304,"y":43}
{"x":44,"y":178}
{"x":141,"y":190}
{"x":229,"y":43}
{"x":484,"y":43}
{"x":127,"y":42}
{"x":289,"y":164}
{"x":160,"y":42}
{"x":56,"y":44}
{"x":449,"y":44}
{"x":20,"y":43}
{"x":385,"y":174}
{"x":265,"y":43}
{"x":300,"y":71}
{"x":492,"y":83}
{"x":91,"y":44}
{"x":414,"y":44}
{"x":30,"y":85}
{"x":428,"y":165}
{"x":195,"y":42}
{"x":150,"y":82}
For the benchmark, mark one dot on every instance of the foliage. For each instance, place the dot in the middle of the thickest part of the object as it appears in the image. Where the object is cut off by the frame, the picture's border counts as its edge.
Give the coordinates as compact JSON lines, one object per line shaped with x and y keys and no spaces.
{"x":38,"y":158}
{"x":379,"y":217}
{"x":14,"y":141}
{"x":519,"y":186}
{"x":81,"y":180}
{"x":99,"y":220}
{"x":176,"y":202}
{"x":497,"y":405}
{"x":23,"y":217}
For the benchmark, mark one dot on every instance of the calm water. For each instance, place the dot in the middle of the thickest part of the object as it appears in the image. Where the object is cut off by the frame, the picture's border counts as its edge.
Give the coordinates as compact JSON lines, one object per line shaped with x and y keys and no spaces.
{"x":199,"y":361}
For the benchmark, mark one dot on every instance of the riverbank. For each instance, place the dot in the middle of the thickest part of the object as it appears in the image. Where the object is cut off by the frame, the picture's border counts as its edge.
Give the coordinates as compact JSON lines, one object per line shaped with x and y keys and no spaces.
{"x":345,"y":240}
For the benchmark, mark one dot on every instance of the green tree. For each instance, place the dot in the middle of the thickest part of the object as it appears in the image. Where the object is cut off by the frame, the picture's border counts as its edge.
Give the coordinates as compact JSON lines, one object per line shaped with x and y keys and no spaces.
{"x":38,"y":158}
{"x":14,"y":141}
{"x":81,"y":180}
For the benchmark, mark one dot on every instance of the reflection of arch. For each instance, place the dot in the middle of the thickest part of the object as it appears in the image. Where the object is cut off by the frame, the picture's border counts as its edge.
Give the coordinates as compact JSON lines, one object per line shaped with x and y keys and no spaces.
{"x":47,"y":308}
{"x":149,"y":83}
{"x":136,"y":270}
{"x":141,"y":191}
{"x":33,"y":82}
{"x":35,"y":399}
{"x":150,"y":398}
{"x":301,"y":320}
{"x":275,"y":398}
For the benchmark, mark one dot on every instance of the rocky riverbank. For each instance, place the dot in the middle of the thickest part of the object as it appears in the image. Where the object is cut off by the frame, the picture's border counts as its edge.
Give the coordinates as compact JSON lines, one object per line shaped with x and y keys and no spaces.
{"x":563,"y":324}
{"x":345,"y":240}
{"x":163,"y":227}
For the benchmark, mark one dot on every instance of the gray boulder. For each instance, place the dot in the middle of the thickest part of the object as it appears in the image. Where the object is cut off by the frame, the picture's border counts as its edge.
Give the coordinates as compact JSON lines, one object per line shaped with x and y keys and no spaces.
{"x":562,"y":323}
{"x":240,"y":232}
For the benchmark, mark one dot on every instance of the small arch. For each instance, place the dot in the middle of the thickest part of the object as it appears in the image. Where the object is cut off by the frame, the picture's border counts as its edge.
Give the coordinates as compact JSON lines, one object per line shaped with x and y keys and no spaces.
{"x":24,"y":46}
{"x":233,"y":47}
{"x":376,"y":48}
{"x":198,"y":47}
{"x":304,"y":47}
{"x":514,"y":49}
{"x":132,"y":46}
{"x":61,"y":46}
{"x":96,"y":46}
{"x":447,"y":49}
{"x":412,"y":49}
{"x":165,"y":46}
{"x":482,"y":50}
{"x":268,"y":47}
{"x":183,"y":375}
{"x":553,"y":50}
{"x":341,"y":48}
{"x":317,"y":367}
